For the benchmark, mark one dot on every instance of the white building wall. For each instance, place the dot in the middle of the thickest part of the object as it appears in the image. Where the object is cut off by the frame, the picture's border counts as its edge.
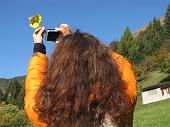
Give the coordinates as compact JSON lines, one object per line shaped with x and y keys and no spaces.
{"x":154,"y":96}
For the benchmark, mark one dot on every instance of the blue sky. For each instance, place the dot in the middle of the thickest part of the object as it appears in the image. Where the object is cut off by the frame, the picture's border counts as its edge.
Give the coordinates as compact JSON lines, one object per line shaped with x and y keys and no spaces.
{"x":105,"y":19}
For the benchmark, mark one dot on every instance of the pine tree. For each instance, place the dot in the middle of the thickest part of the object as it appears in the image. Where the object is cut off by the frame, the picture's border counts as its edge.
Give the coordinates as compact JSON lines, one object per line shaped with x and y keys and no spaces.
{"x":167,"y":22}
{"x":12,"y":91}
{"x":20,"y":98}
{"x":158,"y":37}
{"x":1,"y":95}
{"x":17,"y":88}
{"x":115,"y":45}
{"x":137,"y":50}
{"x":126,"y":42}
{"x":147,"y":39}
{"x":153,"y":37}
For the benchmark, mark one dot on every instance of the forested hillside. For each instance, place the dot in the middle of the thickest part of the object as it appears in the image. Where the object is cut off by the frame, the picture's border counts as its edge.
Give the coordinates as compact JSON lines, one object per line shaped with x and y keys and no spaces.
{"x":12,"y":91}
{"x":149,"y":49}
{"x":12,"y":103}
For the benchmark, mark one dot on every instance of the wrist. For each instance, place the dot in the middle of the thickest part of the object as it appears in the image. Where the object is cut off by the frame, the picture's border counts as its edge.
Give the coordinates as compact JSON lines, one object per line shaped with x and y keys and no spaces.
{"x":38,"y":41}
{"x":39,"y":47}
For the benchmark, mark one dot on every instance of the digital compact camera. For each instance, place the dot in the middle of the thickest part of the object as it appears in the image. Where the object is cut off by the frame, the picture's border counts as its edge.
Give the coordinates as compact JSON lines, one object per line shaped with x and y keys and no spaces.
{"x":52,"y":34}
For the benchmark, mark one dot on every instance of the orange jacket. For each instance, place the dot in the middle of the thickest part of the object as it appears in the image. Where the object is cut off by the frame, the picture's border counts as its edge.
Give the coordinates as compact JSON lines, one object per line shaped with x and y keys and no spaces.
{"x":35,"y":75}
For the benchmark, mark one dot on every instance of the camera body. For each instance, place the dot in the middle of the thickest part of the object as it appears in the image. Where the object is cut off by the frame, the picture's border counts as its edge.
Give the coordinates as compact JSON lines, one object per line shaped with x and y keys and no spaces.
{"x":52,"y":34}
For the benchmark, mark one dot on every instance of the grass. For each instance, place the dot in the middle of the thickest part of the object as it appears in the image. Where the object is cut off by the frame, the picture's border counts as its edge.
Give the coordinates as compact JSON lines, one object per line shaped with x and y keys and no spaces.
{"x":154,"y":78}
{"x":154,"y":114}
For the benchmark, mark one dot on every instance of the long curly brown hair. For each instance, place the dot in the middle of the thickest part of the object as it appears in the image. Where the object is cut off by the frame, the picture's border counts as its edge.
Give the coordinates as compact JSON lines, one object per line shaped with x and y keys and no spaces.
{"x":81,"y":85}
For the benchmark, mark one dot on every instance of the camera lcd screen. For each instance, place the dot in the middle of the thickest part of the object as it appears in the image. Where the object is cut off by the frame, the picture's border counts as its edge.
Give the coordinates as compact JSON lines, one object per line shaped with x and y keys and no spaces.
{"x":52,"y":35}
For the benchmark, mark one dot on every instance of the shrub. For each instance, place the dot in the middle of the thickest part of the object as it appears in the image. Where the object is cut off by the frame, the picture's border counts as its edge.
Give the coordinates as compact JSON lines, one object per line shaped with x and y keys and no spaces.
{"x":11,"y":116}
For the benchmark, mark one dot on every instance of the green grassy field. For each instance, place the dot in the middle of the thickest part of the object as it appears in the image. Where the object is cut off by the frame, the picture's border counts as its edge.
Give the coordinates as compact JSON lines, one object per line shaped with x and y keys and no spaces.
{"x":152,"y":115}
{"x":154,"y":78}
{"x":155,"y":114}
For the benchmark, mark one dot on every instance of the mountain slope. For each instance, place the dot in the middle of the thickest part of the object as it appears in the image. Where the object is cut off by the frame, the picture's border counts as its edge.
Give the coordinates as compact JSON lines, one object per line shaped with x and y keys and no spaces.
{"x":4,"y":83}
{"x":143,"y":29}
